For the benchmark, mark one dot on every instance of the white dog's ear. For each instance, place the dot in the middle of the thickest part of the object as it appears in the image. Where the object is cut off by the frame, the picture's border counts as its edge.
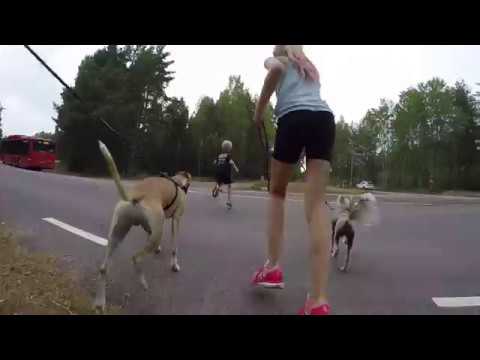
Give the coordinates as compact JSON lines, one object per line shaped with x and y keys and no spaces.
{"x":343,"y":202}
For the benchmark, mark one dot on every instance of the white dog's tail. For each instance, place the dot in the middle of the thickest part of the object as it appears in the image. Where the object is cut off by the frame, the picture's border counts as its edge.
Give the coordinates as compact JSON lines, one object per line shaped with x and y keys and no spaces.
{"x":112,"y":168}
{"x":364,"y":211}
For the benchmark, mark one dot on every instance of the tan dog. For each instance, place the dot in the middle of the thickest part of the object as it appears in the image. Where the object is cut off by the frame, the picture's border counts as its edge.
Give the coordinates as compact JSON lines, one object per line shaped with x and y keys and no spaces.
{"x":148,"y":203}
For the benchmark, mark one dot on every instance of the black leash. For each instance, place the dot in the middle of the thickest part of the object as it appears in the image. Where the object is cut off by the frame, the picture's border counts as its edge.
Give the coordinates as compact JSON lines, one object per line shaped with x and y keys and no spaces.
{"x":50,"y":70}
{"x":262,"y":135}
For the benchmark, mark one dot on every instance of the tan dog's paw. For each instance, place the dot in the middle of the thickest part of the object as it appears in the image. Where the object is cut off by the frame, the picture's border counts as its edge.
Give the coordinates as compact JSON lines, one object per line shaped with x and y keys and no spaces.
{"x":99,"y":305}
{"x":144,"y":282}
{"x":175,"y":267}
{"x":158,"y":250}
{"x":99,"y":310}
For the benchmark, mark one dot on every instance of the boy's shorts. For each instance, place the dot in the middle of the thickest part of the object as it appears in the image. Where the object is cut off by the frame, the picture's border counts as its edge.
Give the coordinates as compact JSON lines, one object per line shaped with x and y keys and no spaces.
{"x":223,"y":179}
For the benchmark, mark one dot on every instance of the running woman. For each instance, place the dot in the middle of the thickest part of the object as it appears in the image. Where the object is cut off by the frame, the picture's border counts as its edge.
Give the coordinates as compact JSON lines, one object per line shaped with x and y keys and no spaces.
{"x":223,"y":175}
{"x":305,"y":121}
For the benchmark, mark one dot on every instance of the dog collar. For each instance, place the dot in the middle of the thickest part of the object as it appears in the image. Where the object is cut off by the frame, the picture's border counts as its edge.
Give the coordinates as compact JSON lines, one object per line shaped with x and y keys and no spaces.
{"x":183,"y":187}
{"x":177,"y":185}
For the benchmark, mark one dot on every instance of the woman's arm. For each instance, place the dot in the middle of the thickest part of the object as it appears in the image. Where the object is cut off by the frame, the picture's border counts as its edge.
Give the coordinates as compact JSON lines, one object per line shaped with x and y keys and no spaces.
{"x":275,"y":71}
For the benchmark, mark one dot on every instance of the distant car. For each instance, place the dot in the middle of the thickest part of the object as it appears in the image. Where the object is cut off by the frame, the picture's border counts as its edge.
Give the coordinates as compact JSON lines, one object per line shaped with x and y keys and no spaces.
{"x":365,"y":185}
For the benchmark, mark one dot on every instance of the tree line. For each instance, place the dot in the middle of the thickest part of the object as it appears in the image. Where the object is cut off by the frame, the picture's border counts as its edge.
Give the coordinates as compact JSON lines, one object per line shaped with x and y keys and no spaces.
{"x":125,"y":86}
{"x":428,"y":135}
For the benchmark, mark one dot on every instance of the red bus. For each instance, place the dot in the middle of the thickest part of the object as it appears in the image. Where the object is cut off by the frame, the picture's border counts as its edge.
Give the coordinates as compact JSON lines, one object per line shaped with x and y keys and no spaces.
{"x":28,"y":152}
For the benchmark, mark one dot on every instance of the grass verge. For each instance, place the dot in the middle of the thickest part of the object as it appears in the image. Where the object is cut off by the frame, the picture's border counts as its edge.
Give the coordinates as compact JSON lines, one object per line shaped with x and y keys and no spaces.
{"x":35,"y":284}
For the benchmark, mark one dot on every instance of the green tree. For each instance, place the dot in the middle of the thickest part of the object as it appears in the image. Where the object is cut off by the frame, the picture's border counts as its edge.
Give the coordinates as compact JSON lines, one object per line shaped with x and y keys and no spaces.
{"x":464,"y":130}
{"x":230,"y":117}
{"x":45,"y":135}
{"x":101,"y":84}
{"x":342,"y":152}
{"x":375,"y":140}
{"x":124,"y":86}
{"x":166,"y":147}
{"x":428,"y":134}
{"x":147,"y":79}
{"x":204,"y":129}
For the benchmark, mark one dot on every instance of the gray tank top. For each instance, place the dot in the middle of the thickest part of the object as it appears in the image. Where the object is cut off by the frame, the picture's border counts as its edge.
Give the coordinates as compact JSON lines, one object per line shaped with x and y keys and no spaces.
{"x":297,"y":93}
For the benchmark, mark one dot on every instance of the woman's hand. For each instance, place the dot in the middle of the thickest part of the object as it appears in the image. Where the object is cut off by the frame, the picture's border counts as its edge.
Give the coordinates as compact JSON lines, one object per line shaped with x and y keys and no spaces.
{"x":273,"y":62}
{"x":269,"y":63}
{"x":276,"y":69}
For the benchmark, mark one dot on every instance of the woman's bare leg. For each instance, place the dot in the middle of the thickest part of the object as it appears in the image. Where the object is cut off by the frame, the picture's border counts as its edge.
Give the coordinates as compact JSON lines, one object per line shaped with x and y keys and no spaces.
{"x":318,"y":219}
{"x":280,"y":174}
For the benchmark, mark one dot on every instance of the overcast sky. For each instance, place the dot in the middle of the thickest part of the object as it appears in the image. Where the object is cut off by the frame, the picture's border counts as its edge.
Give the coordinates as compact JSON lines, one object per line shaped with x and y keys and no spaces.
{"x":354,"y":78}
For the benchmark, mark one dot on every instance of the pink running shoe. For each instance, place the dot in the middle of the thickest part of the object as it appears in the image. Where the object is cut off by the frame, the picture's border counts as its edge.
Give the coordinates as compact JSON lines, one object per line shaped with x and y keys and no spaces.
{"x":269,"y":278}
{"x":319,"y":310}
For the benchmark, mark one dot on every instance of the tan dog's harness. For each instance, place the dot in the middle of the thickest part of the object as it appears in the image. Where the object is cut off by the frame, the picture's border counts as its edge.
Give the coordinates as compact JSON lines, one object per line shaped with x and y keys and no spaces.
{"x":177,"y":185}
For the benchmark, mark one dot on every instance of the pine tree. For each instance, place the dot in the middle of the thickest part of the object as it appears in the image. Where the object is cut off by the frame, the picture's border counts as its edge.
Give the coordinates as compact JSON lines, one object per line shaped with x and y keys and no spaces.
{"x":125,"y":87}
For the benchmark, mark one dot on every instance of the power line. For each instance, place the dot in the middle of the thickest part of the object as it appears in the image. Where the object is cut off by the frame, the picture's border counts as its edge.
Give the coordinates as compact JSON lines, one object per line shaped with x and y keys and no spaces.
{"x":51,"y":71}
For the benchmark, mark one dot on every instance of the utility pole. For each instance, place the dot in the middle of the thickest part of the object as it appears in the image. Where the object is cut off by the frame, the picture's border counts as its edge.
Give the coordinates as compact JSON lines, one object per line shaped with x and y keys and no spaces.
{"x":352,"y":159}
{"x":354,"y":154}
{"x":351,"y":170}
{"x":200,"y":156}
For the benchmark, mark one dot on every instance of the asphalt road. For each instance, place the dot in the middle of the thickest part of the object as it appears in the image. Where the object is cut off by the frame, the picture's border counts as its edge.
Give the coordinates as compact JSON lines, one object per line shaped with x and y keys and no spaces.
{"x":425,"y":246}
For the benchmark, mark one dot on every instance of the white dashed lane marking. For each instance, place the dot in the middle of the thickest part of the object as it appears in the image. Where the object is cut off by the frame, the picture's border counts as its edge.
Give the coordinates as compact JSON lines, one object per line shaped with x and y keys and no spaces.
{"x":456,"y":302}
{"x":79,"y":232}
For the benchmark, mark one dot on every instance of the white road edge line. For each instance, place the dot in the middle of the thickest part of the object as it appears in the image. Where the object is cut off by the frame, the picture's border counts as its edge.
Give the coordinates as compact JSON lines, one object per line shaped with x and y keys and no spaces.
{"x":237,"y":195}
{"x":79,"y":232}
{"x":455,"y":302}
{"x":240,"y":196}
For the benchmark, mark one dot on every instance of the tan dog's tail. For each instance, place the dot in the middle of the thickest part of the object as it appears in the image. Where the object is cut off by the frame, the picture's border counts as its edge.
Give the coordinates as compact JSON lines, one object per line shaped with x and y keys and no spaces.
{"x":112,"y":168}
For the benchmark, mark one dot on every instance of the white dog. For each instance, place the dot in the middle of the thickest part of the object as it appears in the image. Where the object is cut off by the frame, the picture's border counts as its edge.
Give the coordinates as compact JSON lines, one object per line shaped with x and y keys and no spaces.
{"x":363,"y":210}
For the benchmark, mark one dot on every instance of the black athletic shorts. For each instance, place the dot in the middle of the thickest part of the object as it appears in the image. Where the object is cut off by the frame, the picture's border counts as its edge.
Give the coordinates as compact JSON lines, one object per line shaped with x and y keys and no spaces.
{"x":222,"y":179}
{"x":312,"y":130}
